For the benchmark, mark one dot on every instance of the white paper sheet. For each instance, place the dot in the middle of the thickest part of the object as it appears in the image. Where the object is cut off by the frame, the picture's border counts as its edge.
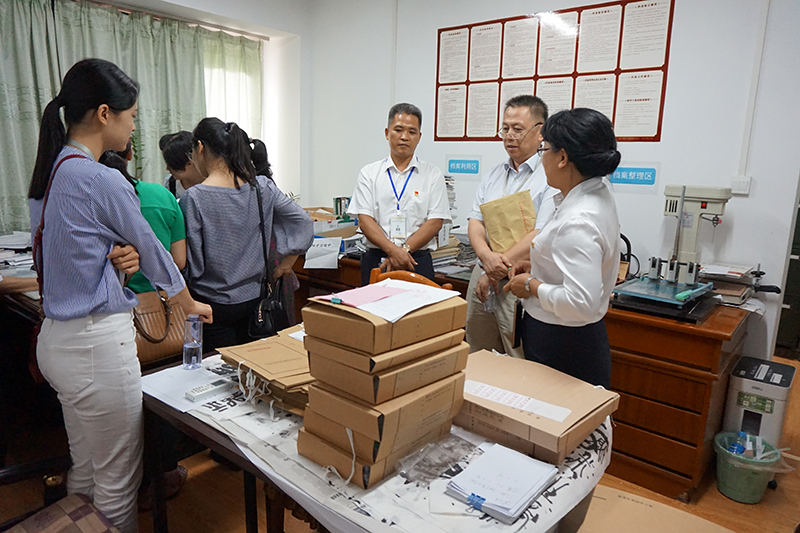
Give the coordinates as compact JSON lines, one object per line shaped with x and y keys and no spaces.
{"x":451,"y":111}
{"x":599,"y":39}
{"x":557,"y":92}
{"x":644,"y":34}
{"x":482,"y":110}
{"x":558,"y":36}
{"x":484,"y":56}
{"x":638,"y":104}
{"x":518,"y":401}
{"x":170,"y":385}
{"x":453,"y":46}
{"x":324,"y":253}
{"x":596,"y":92}
{"x":519,"y":48}
{"x":416,"y":296}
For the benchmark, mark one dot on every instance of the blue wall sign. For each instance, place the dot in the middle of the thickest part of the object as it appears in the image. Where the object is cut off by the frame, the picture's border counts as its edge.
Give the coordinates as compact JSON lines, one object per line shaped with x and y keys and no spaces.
{"x":634,"y":176}
{"x":463,"y":166}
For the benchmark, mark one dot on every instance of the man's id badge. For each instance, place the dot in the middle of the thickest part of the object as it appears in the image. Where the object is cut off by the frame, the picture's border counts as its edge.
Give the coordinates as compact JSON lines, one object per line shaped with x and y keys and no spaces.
{"x":398,"y":227}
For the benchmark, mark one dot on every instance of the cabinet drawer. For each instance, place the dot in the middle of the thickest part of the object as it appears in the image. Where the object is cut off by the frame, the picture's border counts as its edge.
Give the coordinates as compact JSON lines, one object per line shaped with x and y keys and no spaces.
{"x":656,"y":384}
{"x":669,"y":421}
{"x":661,"y":451}
{"x":701,"y":352}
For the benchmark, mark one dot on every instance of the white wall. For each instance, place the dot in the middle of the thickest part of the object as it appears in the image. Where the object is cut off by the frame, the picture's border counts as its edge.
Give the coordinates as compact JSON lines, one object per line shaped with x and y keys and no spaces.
{"x":711,"y":60}
{"x":358,"y":57}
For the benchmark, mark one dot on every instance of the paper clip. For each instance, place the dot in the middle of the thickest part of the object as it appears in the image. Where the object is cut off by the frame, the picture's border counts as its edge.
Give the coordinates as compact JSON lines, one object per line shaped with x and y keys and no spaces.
{"x":475,"y":501}
{"x":336,"y":300}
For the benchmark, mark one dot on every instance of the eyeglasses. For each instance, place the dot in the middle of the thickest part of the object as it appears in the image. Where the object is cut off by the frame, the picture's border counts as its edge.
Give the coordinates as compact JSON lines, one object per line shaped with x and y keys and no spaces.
{"x":189,"y":154}
{"x":542,"y":149}
{"x":516,"y":134}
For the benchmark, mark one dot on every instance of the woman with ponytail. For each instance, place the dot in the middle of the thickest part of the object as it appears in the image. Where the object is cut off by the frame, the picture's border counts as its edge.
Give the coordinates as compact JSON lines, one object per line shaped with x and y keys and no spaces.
{"x":81,"y":211}
{"x":225,"y":259}
{"x":574,"y":260}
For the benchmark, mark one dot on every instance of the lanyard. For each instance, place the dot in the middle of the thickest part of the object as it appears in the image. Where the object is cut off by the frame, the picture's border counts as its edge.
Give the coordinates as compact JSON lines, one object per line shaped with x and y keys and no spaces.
{"x":522,"y":180}
{"x":82,"y":147}
{"x":404,"y":185}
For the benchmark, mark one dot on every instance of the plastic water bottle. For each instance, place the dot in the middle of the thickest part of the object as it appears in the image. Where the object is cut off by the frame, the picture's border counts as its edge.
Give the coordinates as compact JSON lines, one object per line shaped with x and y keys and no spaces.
{"x":490,"y":305}
{"x":192,"y":342}
{"x":739,"y":445}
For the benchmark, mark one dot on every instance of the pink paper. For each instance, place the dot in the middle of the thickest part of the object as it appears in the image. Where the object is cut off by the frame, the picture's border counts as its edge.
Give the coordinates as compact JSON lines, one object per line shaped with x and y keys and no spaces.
{"x":364,"y":295}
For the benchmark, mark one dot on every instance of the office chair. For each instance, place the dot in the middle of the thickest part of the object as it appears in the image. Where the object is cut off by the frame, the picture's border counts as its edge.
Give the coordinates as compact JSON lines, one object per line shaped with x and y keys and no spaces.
{"x":376,"y":275}
{"x":60,"y":514}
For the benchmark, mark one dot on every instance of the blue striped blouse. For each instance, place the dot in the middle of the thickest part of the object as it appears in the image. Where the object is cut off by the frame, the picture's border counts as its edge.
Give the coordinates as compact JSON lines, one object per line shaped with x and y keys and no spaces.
{"x":90,"y":209}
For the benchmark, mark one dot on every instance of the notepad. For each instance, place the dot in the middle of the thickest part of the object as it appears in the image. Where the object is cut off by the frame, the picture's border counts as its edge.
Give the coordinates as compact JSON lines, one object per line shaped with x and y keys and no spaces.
{"x":502,"y":483}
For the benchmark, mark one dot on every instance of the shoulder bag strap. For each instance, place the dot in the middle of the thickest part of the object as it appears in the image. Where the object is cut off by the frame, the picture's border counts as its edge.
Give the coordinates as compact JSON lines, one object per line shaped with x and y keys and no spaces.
{"x":265,"y":282}
{"x":38,"y":261}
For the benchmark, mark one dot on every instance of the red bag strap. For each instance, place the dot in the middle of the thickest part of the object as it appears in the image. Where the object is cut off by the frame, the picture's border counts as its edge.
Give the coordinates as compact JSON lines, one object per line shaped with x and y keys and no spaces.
{"x":37,"y":240}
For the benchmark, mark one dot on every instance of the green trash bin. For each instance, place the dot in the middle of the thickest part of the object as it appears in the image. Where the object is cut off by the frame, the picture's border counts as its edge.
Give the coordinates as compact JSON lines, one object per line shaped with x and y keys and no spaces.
{"x":740,"y":478}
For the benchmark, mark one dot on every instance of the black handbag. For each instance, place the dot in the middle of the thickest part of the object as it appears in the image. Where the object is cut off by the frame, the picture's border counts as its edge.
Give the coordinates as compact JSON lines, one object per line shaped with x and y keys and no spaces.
{"x":269,"y":316}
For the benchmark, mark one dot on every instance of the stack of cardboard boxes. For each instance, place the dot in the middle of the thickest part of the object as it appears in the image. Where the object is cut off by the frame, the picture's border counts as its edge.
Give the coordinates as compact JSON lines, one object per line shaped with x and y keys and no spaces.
{"x":383,"y":389}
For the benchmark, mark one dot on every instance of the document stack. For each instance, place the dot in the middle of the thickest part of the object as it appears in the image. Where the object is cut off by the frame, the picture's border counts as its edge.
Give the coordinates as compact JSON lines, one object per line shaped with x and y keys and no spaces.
{"x":447,"y":254}
{"x":450,"y":185}
{"x":275,"y":368}
{"x":502,"y":483}
{"x":384,"y":388}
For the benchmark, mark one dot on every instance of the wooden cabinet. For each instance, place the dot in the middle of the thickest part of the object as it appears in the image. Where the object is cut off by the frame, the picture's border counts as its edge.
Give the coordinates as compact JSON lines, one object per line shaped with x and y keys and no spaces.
{"x":672,"y":379}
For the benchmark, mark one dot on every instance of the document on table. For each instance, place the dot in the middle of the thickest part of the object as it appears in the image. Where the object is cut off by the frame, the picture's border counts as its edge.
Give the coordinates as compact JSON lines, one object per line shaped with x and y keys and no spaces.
{"x":414,"y":296}
{"x":170,"y":385}
{"x":502,"y":483}
{"x":324,"y":253}
{"x":364,"y":295}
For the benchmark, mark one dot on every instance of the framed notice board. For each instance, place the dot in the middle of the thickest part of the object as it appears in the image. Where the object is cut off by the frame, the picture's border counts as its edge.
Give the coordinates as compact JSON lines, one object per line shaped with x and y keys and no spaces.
{"x":612,"y":57}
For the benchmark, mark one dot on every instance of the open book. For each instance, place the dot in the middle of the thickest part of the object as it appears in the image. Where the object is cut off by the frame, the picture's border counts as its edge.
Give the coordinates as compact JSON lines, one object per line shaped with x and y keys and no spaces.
{"x":502,"y":483}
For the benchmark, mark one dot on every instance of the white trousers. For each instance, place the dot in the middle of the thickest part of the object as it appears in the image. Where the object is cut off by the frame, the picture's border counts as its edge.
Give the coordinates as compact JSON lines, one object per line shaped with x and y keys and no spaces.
{"x":91,"y":363}
{"x":491,"y":331}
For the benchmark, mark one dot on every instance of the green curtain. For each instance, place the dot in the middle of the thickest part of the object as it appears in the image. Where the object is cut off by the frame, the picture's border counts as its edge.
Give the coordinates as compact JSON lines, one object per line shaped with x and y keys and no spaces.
{"x":164,"y":56}
{"x":29,"y":79}
{"x":233,"y":79}
{"x":185,"y":72}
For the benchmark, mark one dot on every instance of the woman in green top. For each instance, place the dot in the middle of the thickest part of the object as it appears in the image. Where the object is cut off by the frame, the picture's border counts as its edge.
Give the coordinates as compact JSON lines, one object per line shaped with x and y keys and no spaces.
{"x":160,"y":210}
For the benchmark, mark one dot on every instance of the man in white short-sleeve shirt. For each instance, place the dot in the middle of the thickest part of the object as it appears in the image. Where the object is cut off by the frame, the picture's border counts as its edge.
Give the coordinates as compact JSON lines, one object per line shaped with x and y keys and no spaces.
{"x":400,"y":201}
{"x":522,"y":121}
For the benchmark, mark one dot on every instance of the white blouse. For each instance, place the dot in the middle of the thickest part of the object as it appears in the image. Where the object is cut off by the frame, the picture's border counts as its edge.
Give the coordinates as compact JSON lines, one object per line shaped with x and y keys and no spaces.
{"x":576,"y":257}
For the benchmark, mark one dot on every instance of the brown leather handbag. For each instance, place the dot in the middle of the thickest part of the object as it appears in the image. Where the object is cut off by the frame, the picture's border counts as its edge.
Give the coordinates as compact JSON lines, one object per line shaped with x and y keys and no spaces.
{"x":159,"y":326}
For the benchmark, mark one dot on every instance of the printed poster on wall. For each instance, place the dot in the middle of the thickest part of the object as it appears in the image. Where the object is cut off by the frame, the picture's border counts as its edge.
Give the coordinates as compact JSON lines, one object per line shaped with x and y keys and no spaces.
{"x":611,"y":57}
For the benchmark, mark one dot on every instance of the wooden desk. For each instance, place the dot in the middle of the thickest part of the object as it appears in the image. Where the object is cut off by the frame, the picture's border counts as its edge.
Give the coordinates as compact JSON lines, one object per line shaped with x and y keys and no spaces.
{"x":320,"y":281}
{"x":672,"y":378}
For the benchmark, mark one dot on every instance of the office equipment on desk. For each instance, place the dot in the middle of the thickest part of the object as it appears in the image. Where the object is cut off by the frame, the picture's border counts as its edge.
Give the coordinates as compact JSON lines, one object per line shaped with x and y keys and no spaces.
{"x":502,"y":483}
{"x":209,"y":389}
{"x":691,"y":205}
{"x":688,"y":303}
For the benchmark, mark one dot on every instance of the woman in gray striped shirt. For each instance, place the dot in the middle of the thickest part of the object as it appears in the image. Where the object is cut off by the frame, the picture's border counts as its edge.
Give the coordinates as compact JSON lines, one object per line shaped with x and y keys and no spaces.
{"x":225,"y":261}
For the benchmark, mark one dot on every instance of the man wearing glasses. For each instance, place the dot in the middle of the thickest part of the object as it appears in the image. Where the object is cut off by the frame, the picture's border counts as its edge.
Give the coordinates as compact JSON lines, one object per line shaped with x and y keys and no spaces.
{"x":523,"y":118}
{"x":400,"y":201}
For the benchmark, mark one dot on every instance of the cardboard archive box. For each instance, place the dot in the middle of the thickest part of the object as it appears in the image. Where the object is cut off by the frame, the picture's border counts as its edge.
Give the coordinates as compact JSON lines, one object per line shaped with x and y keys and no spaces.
{"x":369,"y":451}
{"x":554,"y":412}
{"x":326,"y":454}
{"x":364,"y":332}
{"x":279,"y":361}
{"x":369,"y":363}
{"x":393,"y":382}
{"x":396,"y":422}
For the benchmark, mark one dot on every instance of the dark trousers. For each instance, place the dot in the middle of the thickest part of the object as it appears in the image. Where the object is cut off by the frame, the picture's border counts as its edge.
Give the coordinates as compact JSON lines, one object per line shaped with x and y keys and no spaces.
{"x":230,"y":325}
{"x":372,"y":259}
{"x":582,"y":352}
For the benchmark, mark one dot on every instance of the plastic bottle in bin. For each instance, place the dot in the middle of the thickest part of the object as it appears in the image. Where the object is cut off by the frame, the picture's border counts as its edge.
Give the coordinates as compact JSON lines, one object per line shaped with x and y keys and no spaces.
{"x":192,"y":342}
{"x":739,"y":445}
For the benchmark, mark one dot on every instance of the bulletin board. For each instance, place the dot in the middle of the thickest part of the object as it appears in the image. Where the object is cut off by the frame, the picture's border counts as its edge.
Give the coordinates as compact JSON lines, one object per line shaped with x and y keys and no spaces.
{"x":612,"y":57}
